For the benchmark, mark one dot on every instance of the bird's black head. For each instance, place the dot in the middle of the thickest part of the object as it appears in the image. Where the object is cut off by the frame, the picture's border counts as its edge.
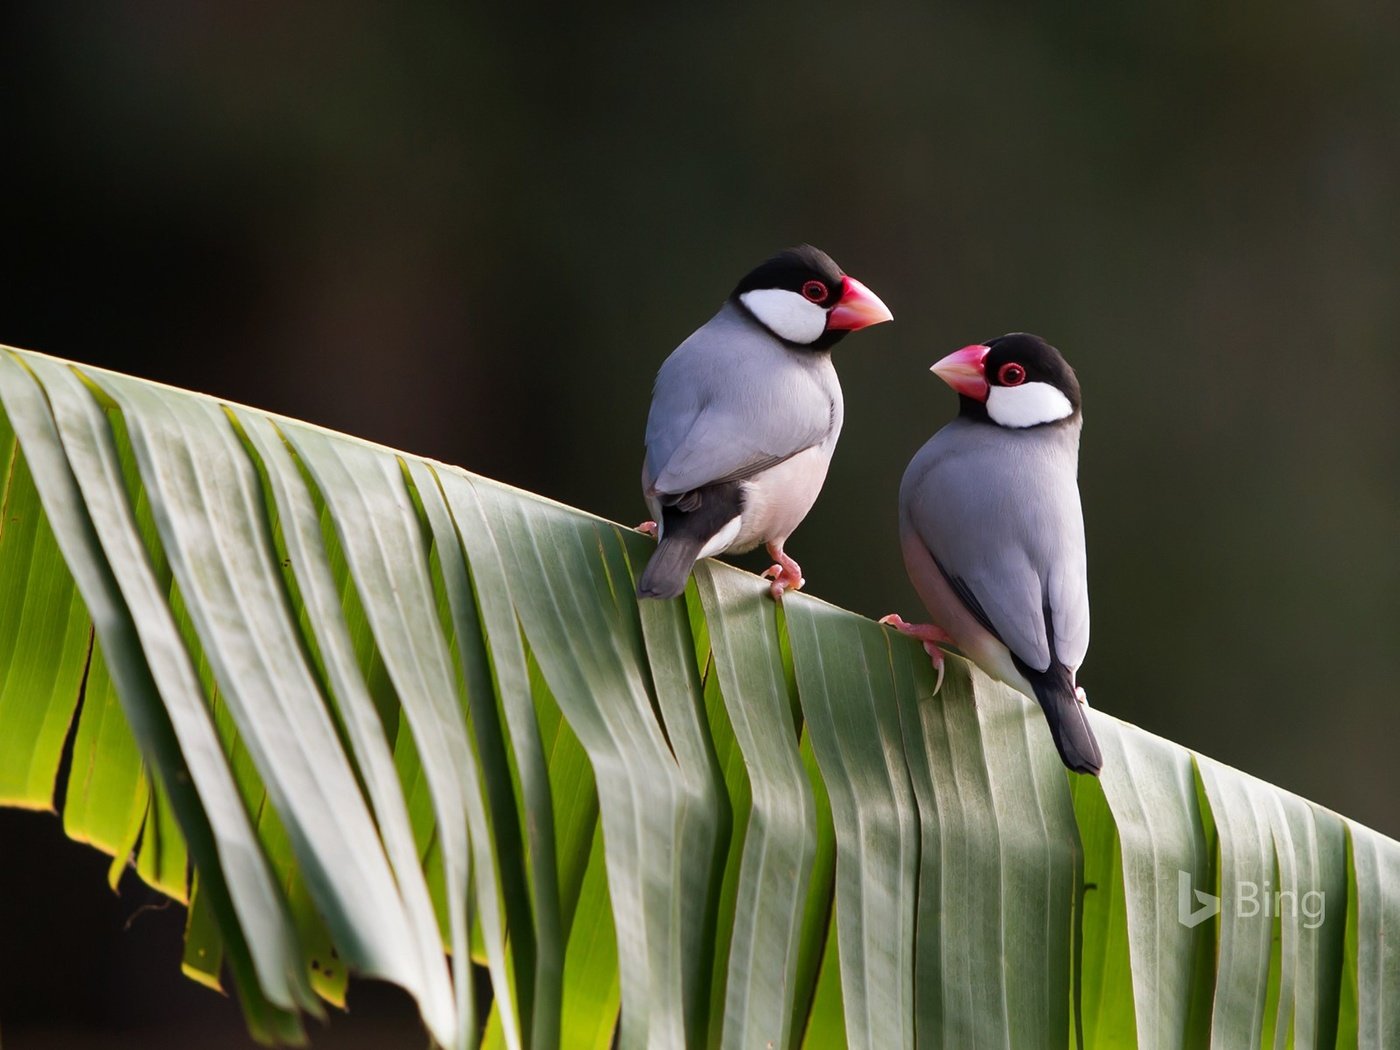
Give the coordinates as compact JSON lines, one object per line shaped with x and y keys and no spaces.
{"x":791,"y":269}
{"x":803,"y":298}
{"x":1021,"y":358}
{"x":1016,"y":381}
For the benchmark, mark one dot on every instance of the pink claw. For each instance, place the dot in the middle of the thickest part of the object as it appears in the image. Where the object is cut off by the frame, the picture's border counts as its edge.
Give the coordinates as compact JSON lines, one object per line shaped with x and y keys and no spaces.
{"x":647,"y":528}
{"x":786,"y":574}
{"x":930,"y":635}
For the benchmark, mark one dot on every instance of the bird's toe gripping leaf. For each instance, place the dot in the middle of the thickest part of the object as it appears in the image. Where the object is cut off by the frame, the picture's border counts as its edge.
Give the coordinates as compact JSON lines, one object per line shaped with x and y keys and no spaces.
{"x":935,"y":655}
{"x":783,"y":580}
{"x":647,"y":528}
{"x":927,"y":633}
{"x":786,"y":574}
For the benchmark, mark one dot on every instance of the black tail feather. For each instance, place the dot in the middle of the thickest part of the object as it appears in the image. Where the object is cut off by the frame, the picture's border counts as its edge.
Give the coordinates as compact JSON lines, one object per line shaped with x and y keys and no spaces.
{"x":1067,"y":717}
{"x":1069,"y":726}
{"x":689,"y":520}
{"x":669,"y":567}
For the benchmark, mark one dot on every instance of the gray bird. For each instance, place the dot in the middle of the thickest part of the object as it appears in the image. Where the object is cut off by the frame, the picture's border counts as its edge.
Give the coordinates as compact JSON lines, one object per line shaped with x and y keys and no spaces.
{"x":744,"y":417}
{"x":993,"y":534}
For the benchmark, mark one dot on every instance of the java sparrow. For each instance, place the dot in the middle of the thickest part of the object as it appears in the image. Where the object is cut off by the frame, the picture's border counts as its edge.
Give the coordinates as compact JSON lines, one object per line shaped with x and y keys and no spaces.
{"x":993,"y":535}
{"x":744,"y":418}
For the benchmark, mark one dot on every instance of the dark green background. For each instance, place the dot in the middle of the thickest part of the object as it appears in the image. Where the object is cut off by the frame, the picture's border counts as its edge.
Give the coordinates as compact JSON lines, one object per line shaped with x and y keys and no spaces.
{"x":474,"y":233}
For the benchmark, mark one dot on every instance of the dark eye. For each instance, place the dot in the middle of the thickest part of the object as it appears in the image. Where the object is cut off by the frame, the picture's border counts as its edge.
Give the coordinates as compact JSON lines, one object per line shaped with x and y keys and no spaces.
{"x":815,"y":291}
{"x":1011,"y":374}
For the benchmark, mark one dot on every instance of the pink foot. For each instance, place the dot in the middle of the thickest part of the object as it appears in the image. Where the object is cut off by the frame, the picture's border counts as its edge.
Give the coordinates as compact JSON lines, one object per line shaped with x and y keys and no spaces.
{"x":930,"y":634}
{"x":786,"y":574}
{"x":647,"y":528}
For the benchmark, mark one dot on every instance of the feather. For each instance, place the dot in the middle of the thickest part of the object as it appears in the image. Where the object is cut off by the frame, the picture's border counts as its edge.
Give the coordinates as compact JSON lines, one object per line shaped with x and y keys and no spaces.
{"x":999,"y":511}
{"x":731,"y":402}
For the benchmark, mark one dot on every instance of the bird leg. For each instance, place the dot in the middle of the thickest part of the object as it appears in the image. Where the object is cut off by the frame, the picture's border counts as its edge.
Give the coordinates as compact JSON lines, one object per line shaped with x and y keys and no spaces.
{"x":930,"y":634}
{"x":647,"y":528}
{"x":786,"y":574}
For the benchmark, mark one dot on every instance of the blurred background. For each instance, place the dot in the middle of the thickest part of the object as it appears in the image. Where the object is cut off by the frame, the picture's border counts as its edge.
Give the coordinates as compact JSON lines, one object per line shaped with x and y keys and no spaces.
{"x":474,"y":232}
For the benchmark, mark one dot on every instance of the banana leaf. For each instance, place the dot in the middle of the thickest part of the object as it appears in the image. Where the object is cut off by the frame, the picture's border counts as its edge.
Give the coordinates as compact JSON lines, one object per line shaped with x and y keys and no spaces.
{"x":369,"y":713}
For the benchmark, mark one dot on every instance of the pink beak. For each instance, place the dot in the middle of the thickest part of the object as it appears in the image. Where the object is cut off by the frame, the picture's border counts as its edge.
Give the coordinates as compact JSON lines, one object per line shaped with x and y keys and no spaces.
{"x":962,"y":370}
{"x":857,"y":308}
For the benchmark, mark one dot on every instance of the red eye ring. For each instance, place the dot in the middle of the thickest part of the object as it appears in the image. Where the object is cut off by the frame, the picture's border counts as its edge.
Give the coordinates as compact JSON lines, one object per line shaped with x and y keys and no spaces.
{"x":1011,"y":374}
{"x":815,"y":291}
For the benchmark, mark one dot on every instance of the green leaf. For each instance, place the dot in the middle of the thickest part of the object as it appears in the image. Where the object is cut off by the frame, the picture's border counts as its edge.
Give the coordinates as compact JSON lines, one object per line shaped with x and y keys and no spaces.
{"x":106,"y":801}
{"x":381,"y":536}
{"x":1106,"y":1012}
{"x":320,"y":598}
{"x":204,"y":947}
{"x":845,"y":680}
{"x":365,"y":707}
{"x":734,"y":808}
{"x":817,"y":925}
{"x":158,"y":688}
{"x":999,"y":881}
{"x":1246,"y":877}
{"x":1150,"y":788}
{"x":162,"y":859}
{"x":680,"y":697}
{"x":497,"y":783}
{"x":592,"y":988}
{"x":780,"y":842}
{"x":1373,"y":954}
{"x":597,"y":674}
{"x":217,"y":538}
{"x":826,"y":1026}
{"x":44,"y":639}
{"x":510,"y":678}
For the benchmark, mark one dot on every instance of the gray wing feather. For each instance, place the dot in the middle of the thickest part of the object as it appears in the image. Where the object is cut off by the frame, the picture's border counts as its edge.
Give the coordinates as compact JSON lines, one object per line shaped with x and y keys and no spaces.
{"x":965,"y":595}
{"x":1011,"y":595}
{"x":999,"y":511}
{"x":1069,"y":598}
{"x":722,"y":446}
{"x":713,"y":416}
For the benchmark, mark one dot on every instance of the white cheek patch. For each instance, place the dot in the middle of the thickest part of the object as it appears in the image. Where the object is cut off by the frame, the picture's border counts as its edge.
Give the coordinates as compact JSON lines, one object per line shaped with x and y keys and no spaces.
{"x":786,"y":314}
{"x":1027,"y":405}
